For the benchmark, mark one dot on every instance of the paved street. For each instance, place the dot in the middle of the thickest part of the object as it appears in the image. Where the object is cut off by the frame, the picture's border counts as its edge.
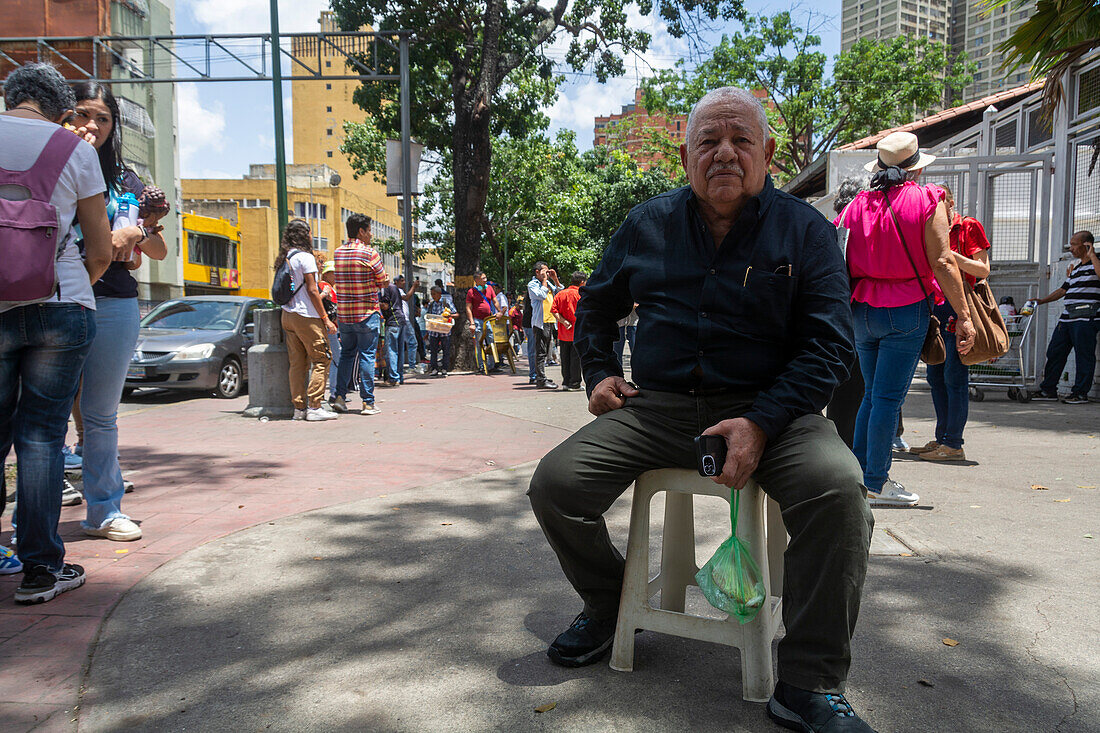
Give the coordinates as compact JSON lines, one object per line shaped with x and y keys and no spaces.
{"x":385,"y":573}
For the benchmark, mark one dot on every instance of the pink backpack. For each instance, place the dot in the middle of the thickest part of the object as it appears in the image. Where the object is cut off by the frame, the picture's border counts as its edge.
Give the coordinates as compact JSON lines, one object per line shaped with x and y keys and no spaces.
{"x":28,"y":228}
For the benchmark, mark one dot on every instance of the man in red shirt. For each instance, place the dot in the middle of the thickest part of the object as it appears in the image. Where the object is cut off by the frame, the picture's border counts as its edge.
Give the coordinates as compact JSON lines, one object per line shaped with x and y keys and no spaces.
{"x":565,"y":311}
{"x":480,"y":305}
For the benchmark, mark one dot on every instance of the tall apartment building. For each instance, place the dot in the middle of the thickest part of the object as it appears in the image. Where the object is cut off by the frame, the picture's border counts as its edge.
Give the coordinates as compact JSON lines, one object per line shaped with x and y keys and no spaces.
{"x":979,"y":31}
{"x":604,"y":131}
{"x":320,"y":109}
{"x":148,"y":112}
{"x":884,"y":19}
{"x":966,"y":25}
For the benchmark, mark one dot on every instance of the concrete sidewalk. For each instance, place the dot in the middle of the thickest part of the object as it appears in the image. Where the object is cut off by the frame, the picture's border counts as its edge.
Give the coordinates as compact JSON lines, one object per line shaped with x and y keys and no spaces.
{"x":420,"y":594}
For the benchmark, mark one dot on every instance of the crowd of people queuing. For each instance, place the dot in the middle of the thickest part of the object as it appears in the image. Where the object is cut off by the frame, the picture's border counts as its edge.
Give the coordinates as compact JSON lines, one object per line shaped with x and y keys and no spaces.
{"x":347,"y":323}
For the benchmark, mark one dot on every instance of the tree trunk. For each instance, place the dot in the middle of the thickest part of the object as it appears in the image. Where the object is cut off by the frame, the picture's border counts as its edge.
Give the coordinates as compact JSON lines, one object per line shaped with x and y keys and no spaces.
{"x":472,"y":158}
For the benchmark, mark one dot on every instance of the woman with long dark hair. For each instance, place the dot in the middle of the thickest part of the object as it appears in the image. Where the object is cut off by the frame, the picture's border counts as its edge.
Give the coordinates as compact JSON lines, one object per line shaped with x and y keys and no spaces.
{"x":897,"y":243}
{"x":116,"y":296}
{"x":306,"y":324}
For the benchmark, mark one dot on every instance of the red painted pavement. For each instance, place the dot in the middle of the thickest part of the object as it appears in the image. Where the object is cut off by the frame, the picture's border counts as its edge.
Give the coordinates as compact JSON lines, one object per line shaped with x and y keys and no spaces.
{"x":202,"y":471}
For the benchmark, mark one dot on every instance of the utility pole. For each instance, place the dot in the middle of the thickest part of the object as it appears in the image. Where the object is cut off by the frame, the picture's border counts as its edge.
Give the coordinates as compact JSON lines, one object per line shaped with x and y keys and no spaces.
{"x":406,"y":158}
{"x":277,"y":97}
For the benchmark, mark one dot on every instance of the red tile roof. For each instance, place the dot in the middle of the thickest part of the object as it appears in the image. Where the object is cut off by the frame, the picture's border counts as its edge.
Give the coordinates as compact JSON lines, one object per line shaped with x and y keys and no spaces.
{"x":977,"y":105}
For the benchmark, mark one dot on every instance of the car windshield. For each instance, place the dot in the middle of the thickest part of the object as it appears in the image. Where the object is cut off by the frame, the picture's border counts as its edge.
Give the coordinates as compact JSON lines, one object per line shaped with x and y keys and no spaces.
{"x":202,"y":315}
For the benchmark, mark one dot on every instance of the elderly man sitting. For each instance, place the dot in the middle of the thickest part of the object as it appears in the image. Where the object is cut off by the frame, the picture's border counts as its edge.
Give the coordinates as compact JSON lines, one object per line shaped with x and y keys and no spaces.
{"x":744,"y":330}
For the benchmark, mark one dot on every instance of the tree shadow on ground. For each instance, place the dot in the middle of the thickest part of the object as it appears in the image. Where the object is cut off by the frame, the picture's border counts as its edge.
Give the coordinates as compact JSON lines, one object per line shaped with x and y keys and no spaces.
{"x":432,"y":610}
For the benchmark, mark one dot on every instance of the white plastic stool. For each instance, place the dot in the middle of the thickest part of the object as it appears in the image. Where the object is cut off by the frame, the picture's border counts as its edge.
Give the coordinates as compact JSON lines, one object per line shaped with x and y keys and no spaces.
{"x":678,"y":570}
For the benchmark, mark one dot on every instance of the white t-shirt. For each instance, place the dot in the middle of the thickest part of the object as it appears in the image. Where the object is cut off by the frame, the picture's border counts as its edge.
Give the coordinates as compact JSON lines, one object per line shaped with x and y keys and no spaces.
{"x":301,"y":264}
{"x":21,"y":142}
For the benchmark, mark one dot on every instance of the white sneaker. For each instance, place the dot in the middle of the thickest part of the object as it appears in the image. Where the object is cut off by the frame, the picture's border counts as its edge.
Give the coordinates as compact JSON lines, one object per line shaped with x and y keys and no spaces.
{"x":298,"y":415}
{"x":892,"y":494}
{"x":369,"y":409}
{"x":119,"y":529}
{"x":316,"y":414}
{"x":70,"y":495}
{"x":900,"y":445}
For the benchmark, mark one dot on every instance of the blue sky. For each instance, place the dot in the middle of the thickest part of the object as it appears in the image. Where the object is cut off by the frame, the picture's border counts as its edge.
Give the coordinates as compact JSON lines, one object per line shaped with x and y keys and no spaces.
{"x":225,"y":127}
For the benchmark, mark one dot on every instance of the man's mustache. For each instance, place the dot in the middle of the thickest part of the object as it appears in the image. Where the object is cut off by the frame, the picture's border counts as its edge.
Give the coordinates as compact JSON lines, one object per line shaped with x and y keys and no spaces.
{"x":718,"y":168}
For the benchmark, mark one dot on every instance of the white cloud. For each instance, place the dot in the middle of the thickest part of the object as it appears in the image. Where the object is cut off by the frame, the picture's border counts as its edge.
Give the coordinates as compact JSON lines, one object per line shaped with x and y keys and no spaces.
{"x":254,"y":16}
{"x":202,"y":129}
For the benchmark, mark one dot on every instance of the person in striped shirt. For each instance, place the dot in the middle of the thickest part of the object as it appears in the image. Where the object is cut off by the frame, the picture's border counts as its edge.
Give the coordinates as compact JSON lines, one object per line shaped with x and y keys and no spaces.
{"x":359,"y":276}
{"x":1078,"y":325}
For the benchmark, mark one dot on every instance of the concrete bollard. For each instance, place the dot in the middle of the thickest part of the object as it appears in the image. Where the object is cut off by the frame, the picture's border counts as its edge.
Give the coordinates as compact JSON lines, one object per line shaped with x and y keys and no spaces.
{"x":268,"y":369}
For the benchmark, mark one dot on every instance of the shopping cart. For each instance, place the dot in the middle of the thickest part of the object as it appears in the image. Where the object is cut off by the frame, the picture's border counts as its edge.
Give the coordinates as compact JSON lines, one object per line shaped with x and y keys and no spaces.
{"x":1010,"y":370}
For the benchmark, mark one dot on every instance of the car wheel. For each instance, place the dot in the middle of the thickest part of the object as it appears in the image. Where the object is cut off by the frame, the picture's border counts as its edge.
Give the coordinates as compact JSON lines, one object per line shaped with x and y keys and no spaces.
{"x":230,"y":380}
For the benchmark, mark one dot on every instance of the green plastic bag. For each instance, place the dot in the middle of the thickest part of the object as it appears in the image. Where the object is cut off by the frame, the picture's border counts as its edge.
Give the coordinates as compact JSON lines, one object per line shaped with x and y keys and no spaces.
{"x":731,"y":579}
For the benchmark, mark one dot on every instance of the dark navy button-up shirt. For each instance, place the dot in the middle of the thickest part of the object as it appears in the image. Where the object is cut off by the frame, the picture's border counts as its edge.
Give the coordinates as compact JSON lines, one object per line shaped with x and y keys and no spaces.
{"x":767,"y":312}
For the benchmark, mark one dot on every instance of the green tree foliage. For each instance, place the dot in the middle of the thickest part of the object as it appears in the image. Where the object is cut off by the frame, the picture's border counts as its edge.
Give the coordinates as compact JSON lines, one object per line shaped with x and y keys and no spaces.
{"x":480,"y":70}
{"x":546,"y":201}
{"x":1056,"y":35}
{"x":884,"y":84}
{"x":875,"y":84}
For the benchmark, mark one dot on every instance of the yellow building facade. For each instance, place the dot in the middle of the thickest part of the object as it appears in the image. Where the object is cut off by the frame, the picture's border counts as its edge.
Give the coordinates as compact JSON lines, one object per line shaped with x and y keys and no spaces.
{"x":319,"y":110}
{"x":325,"y":207}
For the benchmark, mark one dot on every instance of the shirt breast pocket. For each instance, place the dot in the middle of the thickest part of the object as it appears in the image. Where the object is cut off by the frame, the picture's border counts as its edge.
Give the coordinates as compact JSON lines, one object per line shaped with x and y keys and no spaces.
{"x":766,"y":304}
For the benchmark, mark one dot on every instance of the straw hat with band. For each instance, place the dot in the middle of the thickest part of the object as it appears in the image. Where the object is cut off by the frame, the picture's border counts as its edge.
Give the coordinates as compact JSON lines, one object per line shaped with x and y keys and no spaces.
{"x":898,"y":154}
{"x":329,"y":266}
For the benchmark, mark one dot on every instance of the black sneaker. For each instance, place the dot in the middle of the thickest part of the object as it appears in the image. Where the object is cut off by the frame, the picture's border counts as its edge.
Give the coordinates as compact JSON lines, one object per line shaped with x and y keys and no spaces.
{"x":1041,"y":396}
{"x":812,"y":712}
{"x":584,"y":642}
{"x":40,"y":585}
{"x":1076,"y":399}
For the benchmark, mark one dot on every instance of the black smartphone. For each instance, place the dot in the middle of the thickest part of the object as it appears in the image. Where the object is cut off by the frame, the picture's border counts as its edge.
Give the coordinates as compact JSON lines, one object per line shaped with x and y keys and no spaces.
{"x":710,"y":450}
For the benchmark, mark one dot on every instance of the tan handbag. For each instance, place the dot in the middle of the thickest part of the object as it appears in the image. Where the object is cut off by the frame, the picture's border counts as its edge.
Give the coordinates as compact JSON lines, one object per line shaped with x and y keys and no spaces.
{"x":991,"y":335}
{"x":933,"y":351}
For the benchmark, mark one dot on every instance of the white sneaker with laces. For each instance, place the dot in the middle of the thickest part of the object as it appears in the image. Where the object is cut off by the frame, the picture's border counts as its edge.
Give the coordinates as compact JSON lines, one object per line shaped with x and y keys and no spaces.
{"x":316,"y":414}
{"x":298,"y":415}
{"x":892,"y":494}
{"x":119,"y":529}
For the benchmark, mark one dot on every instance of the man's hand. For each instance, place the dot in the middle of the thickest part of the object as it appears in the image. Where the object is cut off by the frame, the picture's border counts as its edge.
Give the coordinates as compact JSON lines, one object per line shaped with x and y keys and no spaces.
{"x":330,"y":327}
{"x":745,"y":443}
{"x":610,"y":394}
{"x":964,"y":336}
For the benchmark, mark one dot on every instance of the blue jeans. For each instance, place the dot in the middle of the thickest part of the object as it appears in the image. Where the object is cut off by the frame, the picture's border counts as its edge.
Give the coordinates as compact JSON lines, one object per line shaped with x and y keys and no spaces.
{"x":1080,"y":337}
{"x":408,"y":338}
{"x":117,"y":322}
{"x":395,"y":353}
{"x":358,"y":339}
{"x":529,"y":346}
{"x":888,"y":341}
{"x":950,"y":383}
{"x":334,"y":365}
{"x":626,"y":333}
{"x":42,"y":350}
{"x":480,"y":325}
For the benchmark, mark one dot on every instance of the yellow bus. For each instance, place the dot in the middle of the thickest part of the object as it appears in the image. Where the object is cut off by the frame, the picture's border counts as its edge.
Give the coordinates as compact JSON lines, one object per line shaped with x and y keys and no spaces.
{"x":211,"y":256}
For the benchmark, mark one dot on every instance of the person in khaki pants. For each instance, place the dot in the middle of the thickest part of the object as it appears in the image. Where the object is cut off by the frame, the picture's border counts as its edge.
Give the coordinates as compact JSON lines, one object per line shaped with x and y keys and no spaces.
{"x":306,"y":325}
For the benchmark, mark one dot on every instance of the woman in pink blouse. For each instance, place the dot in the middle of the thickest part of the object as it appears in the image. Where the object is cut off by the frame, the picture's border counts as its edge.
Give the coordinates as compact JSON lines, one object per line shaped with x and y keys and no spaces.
{"x":892,"y":274}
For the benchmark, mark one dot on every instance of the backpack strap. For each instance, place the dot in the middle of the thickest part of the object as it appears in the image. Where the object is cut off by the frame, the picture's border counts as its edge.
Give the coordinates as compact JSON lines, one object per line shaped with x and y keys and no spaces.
{"x":42,"y":177}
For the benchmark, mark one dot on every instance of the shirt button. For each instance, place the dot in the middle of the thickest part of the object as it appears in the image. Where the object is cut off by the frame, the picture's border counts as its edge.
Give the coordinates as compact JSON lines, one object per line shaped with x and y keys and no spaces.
{"x":713,"y":271}
{"x":704,"y":315}
{"x":700,"y":352}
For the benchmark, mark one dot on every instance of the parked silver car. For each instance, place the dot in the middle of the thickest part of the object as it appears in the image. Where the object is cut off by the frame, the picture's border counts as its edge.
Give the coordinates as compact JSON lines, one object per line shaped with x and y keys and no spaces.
{"x":198,"y":343}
